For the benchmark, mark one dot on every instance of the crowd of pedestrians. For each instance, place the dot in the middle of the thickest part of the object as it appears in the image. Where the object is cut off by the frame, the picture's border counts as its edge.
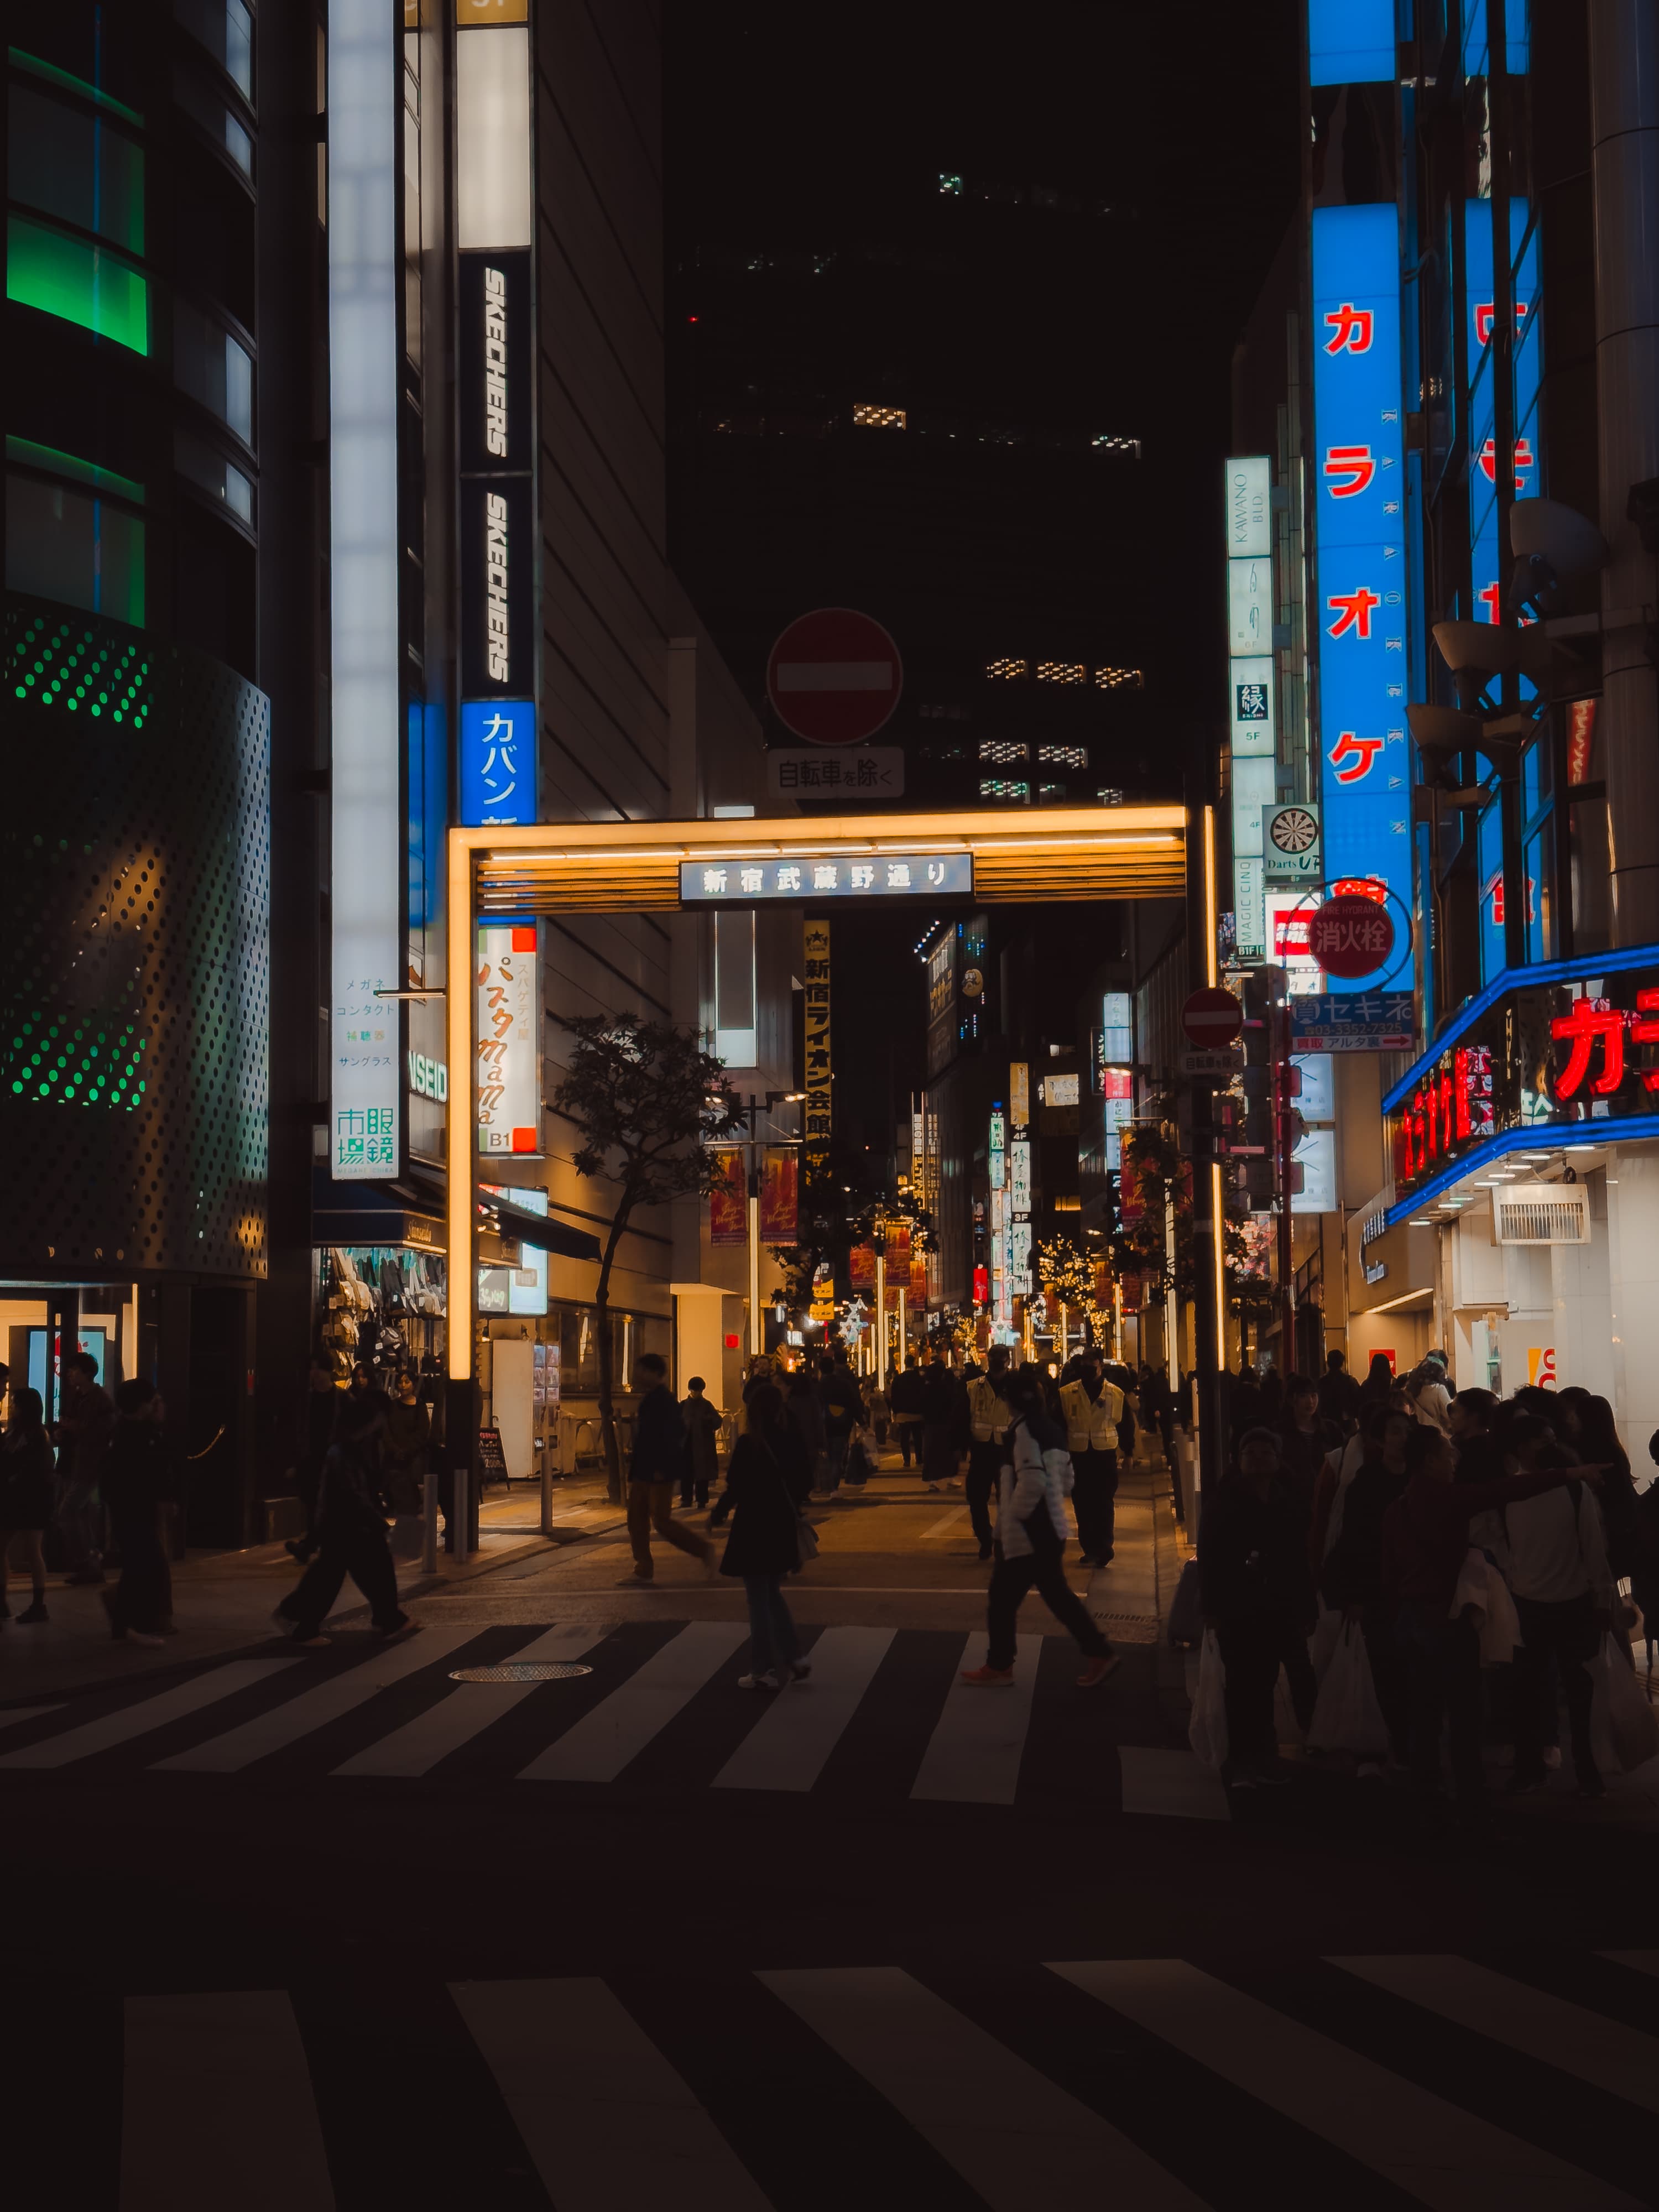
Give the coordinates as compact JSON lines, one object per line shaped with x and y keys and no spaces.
{"x":1421,"y":1565}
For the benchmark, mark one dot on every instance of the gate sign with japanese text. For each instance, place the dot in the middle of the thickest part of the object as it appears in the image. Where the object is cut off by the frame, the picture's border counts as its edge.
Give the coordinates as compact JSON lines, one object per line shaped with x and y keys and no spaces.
{"x":509,"y":1057}
{"x":884,"y":875}
{"x":1359,"y":463}
{"x":1575,"y":1047}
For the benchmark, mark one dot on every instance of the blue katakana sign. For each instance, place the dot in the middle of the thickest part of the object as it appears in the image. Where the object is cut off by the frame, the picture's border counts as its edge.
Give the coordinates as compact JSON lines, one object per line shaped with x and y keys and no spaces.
{"x":1359,"y":463}
{"x":498,"y":761}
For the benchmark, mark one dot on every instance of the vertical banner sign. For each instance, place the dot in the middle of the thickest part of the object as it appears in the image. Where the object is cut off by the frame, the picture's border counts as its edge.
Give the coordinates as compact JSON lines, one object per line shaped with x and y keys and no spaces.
{"x":1483,"y":462}
{"x":498,"y":761}
{"x":779,"y":1195}
{"x":367,"y":833}
{"x":728,"y":1197}
{"x":1359,"y":507}
{"x":898,"y":1245}
{"x":862,"y":1266}
{"x":1251,"y":722}
{"x":497,"y":516}
{"x":918,"y":1274}
{"x":509,"y":1059}
{"x":1019,"y":1180}
{"x":815,"y":979}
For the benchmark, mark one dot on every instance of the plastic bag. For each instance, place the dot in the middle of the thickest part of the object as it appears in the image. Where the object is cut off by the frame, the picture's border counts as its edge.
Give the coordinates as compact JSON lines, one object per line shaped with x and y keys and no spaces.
{"x":1623,"y":1727}
{"x":1327,"y":1634}
{"x":1207,"y":1732}
{"x":1347,"y":1716}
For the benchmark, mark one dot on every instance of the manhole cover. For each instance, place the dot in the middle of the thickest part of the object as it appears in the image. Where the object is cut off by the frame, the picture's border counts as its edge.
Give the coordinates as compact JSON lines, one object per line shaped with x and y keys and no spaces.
{"x":520,"y":1670}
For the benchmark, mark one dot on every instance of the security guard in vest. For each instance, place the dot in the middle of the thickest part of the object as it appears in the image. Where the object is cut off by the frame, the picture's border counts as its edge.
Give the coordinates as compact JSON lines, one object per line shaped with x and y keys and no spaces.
{"x":1091,"y":1408}
{"x":988,"y":1416}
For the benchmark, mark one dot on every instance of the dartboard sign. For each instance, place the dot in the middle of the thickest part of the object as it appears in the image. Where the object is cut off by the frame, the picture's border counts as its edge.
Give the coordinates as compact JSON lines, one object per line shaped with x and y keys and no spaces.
{"x":1291,"y":849}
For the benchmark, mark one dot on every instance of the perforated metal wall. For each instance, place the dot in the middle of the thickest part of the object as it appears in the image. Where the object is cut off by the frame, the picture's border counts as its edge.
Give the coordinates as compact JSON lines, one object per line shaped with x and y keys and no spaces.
{"x":135,"y":880}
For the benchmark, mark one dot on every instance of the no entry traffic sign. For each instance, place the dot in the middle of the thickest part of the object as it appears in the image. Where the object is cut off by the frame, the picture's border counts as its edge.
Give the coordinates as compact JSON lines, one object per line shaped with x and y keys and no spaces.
{"x":834,"y":676}
{"x":1213,"y":1018}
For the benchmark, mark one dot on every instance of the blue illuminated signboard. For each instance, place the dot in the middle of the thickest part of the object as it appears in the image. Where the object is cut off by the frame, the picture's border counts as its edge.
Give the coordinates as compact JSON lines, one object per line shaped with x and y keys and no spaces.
{"x":1359,"y":461}
{"x":498,"y":761}
{"x":1528,"y":344}
{"x":883,"y":875}
{"x":1350,"y":42}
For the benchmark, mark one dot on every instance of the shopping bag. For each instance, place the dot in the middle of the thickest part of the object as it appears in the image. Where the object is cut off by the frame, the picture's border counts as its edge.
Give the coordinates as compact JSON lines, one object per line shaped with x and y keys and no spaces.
{"x":1347,"y":1716}
{"x":1186,"y":1628}
{"x":1327,"y":1634}
{"x":1207,"y":1732}
{"x":1623,"y":1727}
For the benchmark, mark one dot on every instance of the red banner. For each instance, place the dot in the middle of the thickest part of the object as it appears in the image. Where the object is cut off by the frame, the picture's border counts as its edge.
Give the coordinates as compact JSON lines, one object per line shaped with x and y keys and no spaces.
{"x":779,"y":1195}
{"x":898,"y":1250}
{"x":728,"y":1199}
{"x":918,"y":1273}
{"x":1133,"y":1292}
{"x":862,"y":1266}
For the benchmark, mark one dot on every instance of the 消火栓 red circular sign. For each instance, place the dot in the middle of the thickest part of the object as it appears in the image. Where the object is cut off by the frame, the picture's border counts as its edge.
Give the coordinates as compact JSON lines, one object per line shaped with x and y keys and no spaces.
{"x":834,"y":676}
{"x":1350,"y":937}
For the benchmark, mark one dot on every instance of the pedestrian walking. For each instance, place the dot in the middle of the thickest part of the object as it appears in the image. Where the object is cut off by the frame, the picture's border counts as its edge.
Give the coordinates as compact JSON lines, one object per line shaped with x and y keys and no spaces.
{"x":943,"y":1420}
{"x":1092,"y":1409}
{"x":1035,"y":1481}
{"x":1339,"y":1393}
{"x":26,"y":1473}
{"x":987,"y":1417}
{"x":802,"y":1403}
{"x":843,"y":1411}
{"x":321,"y":1398}
{"x":1592,"y":1433}
{"x":1378,"y":1384}
{"x":85,"y":1425}
{"x":701,"y":1424}
{"x":1351,"y":1578}
{"x":405,"y":1448}
{"x":1258,"y":1597}
{"x":1431,"y":1399}
{"x":1306,"y":1440}
{"x":658,"y":1466}
{"x":905,"y":1401}
{"x":351,"y":1535}
{"x":766,"y":1485}
{"x":137,"y":1481}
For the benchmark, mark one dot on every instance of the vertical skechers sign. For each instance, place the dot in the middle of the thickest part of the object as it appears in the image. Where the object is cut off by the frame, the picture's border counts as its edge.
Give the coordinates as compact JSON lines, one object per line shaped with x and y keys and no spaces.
{"x":497,"y":516}
{"x":1359,"y":463}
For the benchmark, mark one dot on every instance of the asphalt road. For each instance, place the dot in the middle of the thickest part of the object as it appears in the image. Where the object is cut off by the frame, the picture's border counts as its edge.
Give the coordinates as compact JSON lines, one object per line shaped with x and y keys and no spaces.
{"x":339,"y":1931}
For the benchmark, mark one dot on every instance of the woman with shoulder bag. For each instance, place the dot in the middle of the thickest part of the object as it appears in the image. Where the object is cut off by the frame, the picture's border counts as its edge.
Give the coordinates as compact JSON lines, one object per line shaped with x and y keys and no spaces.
{"x":768,"y":1479}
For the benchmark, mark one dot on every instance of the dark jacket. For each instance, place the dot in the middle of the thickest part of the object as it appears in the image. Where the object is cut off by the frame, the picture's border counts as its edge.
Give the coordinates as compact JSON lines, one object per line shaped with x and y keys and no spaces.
{"x":804,"y":1407}
{"x":1252,"y":1558}
{"x":843,"y":1408}
{"x":1338,"y":1396}
{"x":351,"y":1496}
{"x":660,"y":1444}
{"x":765,"y":1485}
{"x":906,"y":1395}
{"x":26,"y":1480}
{"x":1352,"y":1574}
{"x":138,"y":1471}
{"x":1302,"y":1454}
{"x":403,"y":1446}
{"x":701,"y":1424}
{"x":1425,"y":1532}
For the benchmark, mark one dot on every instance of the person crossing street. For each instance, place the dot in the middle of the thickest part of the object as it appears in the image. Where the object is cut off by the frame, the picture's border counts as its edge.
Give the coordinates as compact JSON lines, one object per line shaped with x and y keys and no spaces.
{"x":988,"y":1417}
{"x":1091,"y":1408}
{"x":1036,"y":1476}
{"x":661,"y":1455}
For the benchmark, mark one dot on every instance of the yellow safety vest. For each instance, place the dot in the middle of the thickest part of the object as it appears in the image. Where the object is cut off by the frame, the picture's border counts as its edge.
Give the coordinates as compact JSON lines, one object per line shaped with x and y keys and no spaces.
{"x":1091,"y":1423}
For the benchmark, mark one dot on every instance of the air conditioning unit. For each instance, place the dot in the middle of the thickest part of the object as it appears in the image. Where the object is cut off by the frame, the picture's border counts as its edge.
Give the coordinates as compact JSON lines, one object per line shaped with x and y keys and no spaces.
{"x":1541,"y":1213}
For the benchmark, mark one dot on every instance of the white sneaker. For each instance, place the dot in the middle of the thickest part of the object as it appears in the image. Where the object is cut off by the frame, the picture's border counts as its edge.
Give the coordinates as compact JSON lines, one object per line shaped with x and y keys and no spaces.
{"x":767,"y":1681}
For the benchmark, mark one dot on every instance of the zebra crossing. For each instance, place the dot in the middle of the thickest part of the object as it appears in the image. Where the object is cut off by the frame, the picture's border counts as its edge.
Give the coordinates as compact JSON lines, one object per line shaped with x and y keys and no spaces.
{"x":1159,"y":2083}
{"x":882,"y":1717}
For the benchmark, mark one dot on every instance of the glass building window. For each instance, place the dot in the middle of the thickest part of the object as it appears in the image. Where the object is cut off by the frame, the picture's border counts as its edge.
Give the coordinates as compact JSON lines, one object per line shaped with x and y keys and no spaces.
{"x":82,"y":283}
{"x":734,"y":988}
{"x":212,"y":473}
{"x":69,"y":544}
{"x":208,"y":364}
{"x":75,"y":167}
{"x":216,"y":119}
{"x":225,"y":30}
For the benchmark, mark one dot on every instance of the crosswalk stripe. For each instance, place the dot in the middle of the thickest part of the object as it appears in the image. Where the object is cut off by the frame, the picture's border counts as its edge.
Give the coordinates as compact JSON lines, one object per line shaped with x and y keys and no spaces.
{"x":1571,"y":2037}
{"x":617,"y":1729}
{"x":148,"y":1715}
{"x":315,"y":1708}
{"x":1015,"y":2137}
{"x":217,"y":2107}
{"x":1641,"y":1962}
{"x":609,"y":2124}
{"x":801,"y":1727}
{"x":1156,"y":1780}
{"x":466,"y":1711}
{"x":973,"y":1755}
{"x":1441,"y":2155}
{"x":18,"y":1714}
{"x":945,"y":1521}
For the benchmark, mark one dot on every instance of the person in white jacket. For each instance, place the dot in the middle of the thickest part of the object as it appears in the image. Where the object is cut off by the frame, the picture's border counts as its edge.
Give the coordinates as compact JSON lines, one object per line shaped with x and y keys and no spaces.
{"x":1030,"y":1541}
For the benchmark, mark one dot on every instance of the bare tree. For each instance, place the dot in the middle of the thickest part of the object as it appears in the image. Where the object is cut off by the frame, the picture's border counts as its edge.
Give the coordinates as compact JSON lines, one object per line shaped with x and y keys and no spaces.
{"x":646,"y":1100}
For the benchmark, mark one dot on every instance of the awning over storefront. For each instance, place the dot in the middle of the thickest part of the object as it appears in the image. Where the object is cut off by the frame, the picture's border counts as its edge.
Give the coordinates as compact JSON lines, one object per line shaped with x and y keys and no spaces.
{"x":412,"y":1212}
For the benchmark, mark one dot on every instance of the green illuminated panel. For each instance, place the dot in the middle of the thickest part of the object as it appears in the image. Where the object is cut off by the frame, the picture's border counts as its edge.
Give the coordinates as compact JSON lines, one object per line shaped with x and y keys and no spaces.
{"x":71,"y":465}
{"x":80,"y":282}
{"x":54,"y":75}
